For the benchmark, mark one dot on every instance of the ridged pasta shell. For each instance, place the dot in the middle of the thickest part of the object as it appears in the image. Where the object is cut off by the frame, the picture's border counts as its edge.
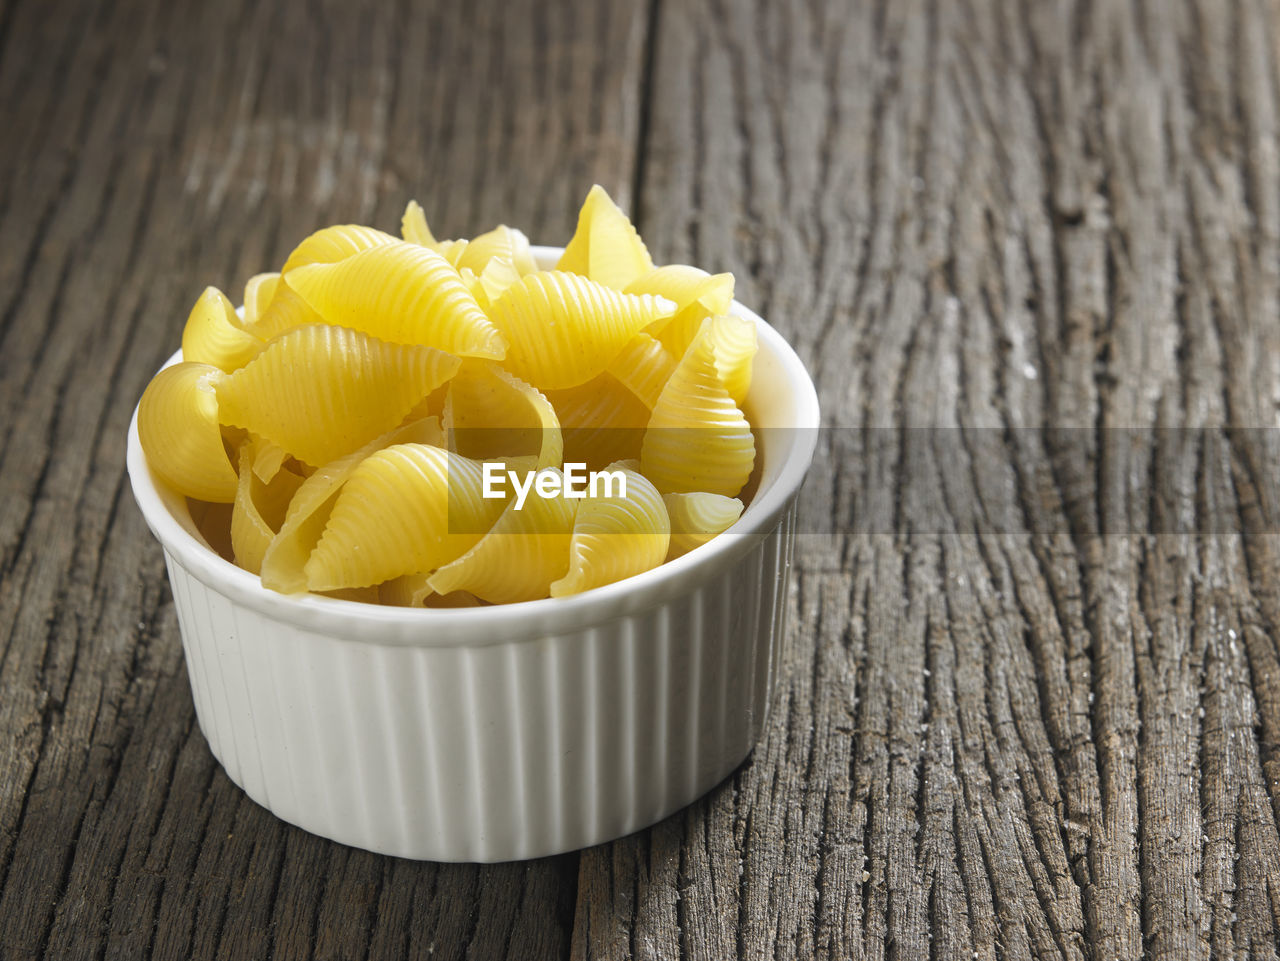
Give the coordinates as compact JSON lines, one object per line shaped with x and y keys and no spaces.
{"x":214,"y":335}
{"x":684,"y":286}
{"x":696,"y":294}
{"x":404,"y":509}
{"x":321,"y":392}
{"x":403,"y":293}
{"x":605,"y":247}
{"x":413,"y":226}
{"x":697,"y":438}
{"x":452,"y":250}
{"x":412,"y":590}
{"x":526,"y":550}
{"x":332,"y":244}
{"x":734,"y":343}
{"x":616,"y":537}
{"x":697,"y":517}
{"x":643,"y":367}
{"x":498,"y":274}
{"x":501,"y":243}
{"x":562,"y":329}
{"x":285,"y":312}
{"x":600,"y":421}
{"x":268,"y":458}
{"x":259,"y":510}
{"x":179,"y":431}
{"x":304,"y":522}
{"x":489,"y":412}
{"x":259,"y":291}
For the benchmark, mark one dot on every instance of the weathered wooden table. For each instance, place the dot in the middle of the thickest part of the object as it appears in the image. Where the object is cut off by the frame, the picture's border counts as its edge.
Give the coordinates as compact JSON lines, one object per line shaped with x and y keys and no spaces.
{"x":1031,"y":704}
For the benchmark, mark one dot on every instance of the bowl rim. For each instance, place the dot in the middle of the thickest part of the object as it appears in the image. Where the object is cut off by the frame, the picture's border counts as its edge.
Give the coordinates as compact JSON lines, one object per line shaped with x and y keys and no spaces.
{"x":526,"y":620}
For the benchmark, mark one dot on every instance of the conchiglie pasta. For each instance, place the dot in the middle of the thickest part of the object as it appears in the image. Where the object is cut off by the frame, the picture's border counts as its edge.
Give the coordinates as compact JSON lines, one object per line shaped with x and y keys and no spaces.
{"x":697,"y":438}
{"x":321,"y":392}
{"x":643,"y":367}
{"x":696,"y":294}
{"x":697,"y":517}
{"x":403,"y":293}
{"x":404,"y":509}
{"x":491,"y":413}
{"x":259,"y":291}
{"x":285,"y":311}
{"x":562,"y":329}
{"x":413,"y":226}
{"x":259,"y":510}
{"x":733,"y":342}
{"x":605,"y":247}
{"x":268,"y":458}
{"x":214,"y":334}
{"x":309,"y":510}
{"x":504,"y":244}
{"x":178,"y":428}
{"x":526,"y":550}
{"x":332,"y":244}
{"x":600,"y":421}
{"x":338,"y":434}
{"x":412,"y":590}
{"x":616,"y":536}
{"x":498,"y":275}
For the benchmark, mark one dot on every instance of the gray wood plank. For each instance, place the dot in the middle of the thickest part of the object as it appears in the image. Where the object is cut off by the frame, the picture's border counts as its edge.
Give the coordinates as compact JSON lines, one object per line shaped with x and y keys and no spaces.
{"x":1026,"y":717}
{"x":150,"y":149}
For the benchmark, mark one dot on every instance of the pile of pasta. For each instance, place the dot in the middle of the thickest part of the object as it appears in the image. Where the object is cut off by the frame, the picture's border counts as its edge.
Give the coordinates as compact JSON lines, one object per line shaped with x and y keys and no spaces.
{"x":333,"y":436}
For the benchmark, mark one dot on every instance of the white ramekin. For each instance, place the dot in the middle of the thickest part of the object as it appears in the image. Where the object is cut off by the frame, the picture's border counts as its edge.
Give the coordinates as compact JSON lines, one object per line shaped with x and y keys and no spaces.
{"x":506,"y":732}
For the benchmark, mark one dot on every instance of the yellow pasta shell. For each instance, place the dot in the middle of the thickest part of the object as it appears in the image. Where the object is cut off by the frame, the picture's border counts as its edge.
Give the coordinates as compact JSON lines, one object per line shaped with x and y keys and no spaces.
{"x":600,"y":421}
{"x":404,"y":509}
{"x":643,"y":367}
{"x":321,"y":392}
{"x":563,"y":329}
{"x":413,"y":226}
{"x":519,"y":558}
{"x":214,"y":335}
{"x":502,"y":243}
{"x":452,"y":250}
{"x":332,"y":244}
{"x":616,"y":537}
{"x":696,"y":294}
{"x":283,"y":563}
{"x":285,"y":311}
{"x":491,"y":413}
{"x":268,"y":458}
{"x":734,"y":344}
{"x":697,"y":517}
{"x":179,"y":431}
{"x":498,"y":274}
{"x":403,"y":293}
{"x":412,"y":590}
{"x":259,"y":291}
{"x":697,"y":438}
{"x":605,"y":247}
{"x":258,"y":510}
{"x":685,"y":286}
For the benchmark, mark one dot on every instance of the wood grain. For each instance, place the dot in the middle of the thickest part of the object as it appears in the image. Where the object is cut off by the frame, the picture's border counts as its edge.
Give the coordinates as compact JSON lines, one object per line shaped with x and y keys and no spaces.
{"x":152,"y":148}
{"x":1031,"y":705}
{"x":1041,"y":732}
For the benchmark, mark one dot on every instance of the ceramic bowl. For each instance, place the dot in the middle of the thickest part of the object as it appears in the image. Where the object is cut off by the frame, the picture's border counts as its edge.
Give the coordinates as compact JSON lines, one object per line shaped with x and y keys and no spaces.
{"x":505,"y":732}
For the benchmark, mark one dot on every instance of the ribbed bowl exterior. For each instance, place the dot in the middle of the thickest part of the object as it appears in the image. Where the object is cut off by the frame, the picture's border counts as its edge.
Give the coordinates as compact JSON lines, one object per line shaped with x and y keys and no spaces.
{"x":498,"y":752}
